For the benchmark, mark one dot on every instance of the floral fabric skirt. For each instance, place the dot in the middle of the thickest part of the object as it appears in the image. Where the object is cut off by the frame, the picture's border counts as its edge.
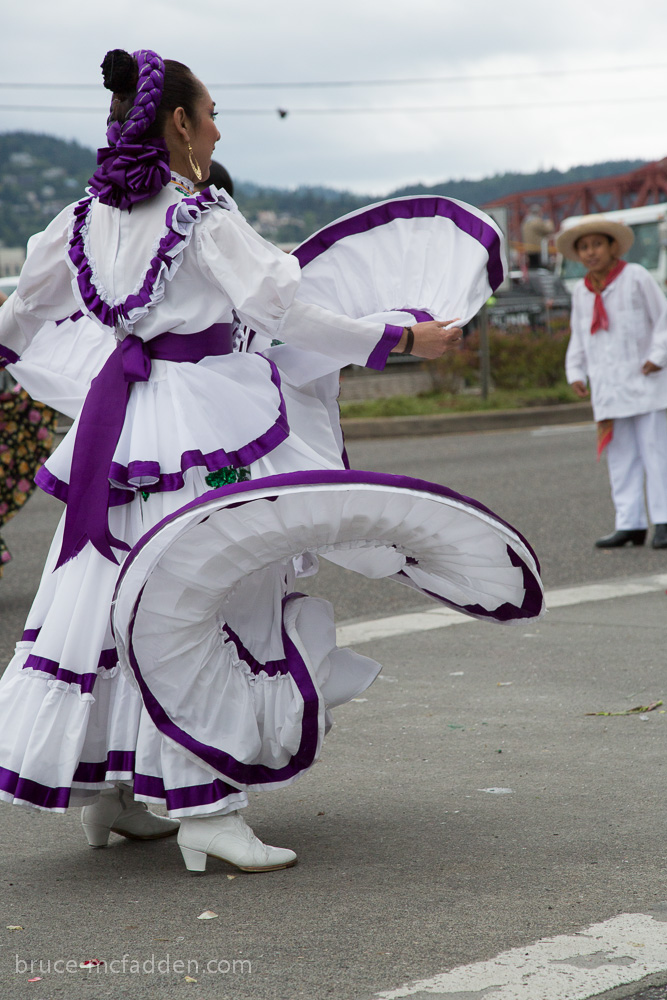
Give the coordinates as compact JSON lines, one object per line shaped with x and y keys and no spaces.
{"x":26,"y":440}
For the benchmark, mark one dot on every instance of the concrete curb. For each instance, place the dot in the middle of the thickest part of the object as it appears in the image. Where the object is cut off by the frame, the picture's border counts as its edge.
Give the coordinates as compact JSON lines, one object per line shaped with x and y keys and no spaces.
{"x":464,"y":423}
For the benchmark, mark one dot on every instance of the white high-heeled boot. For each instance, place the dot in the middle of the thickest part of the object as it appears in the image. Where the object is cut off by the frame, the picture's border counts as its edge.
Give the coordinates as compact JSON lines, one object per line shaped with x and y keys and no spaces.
{"x":117,"y":811}
{"x":230,"y":839}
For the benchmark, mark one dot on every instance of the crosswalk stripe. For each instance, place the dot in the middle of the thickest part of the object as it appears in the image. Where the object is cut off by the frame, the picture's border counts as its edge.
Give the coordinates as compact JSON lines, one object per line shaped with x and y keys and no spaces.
{"x":617,"y":952}
{"x":432,"y":618}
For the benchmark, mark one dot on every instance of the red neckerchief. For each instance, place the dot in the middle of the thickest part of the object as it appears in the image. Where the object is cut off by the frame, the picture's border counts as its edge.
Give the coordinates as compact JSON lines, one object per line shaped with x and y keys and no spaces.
{"x":600,"y":318}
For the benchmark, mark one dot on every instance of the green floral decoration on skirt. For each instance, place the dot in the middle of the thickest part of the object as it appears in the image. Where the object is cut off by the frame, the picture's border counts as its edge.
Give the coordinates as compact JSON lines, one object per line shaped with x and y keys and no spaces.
{"x":223,"y":477}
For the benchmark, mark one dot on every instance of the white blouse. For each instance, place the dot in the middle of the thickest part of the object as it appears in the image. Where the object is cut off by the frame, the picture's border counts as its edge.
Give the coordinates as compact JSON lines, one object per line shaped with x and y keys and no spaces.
{"x":221,"y":267}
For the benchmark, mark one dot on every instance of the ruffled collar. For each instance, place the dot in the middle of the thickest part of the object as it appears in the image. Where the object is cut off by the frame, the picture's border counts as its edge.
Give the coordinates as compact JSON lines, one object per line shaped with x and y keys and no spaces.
{"x":181,"y":218}
{"x":182,"y":184}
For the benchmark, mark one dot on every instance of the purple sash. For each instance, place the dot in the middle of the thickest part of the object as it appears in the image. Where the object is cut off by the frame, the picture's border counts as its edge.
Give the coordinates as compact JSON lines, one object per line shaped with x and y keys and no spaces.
{"x":100,"y":424}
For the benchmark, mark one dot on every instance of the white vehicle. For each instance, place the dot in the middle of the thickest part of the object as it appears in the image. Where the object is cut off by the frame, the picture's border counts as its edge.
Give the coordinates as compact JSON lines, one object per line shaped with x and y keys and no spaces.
{"x":649,"y":224}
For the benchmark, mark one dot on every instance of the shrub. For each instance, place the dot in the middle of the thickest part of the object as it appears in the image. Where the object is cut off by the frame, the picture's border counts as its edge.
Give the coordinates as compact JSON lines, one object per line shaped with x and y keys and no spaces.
{"x":519,"y":360}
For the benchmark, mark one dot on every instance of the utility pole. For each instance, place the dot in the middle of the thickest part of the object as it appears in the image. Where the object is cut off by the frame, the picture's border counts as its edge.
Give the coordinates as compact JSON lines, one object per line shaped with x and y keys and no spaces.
{"x":484,"y":352}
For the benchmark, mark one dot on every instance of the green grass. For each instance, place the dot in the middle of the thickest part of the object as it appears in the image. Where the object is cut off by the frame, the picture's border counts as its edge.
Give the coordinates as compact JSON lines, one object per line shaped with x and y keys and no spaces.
{"x":438,"y":403}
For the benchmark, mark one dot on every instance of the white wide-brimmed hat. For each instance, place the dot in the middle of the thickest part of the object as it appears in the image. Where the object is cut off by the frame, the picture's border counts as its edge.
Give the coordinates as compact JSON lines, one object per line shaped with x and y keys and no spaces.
{"x":566,"y":239}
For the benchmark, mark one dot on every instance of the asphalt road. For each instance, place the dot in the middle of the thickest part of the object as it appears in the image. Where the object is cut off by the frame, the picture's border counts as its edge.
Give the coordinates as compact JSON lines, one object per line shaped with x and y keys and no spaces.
{"x":409,"y":865}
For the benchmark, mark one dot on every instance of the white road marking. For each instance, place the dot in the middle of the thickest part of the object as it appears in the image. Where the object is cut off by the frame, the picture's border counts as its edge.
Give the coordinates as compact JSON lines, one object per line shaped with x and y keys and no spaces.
{"x":421,"y":621}
{"x":548,"y":429}
{"x":619,"y":951}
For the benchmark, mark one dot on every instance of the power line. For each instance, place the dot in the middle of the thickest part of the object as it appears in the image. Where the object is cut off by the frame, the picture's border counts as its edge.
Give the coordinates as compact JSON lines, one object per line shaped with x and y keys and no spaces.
{"x":394,"y":82}
{"x":371,"y":110}
{"x":461,"y":78}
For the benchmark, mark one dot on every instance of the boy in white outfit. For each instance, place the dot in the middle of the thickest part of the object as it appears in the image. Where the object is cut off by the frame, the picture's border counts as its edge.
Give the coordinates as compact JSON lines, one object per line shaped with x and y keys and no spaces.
{"x":619,"y":346}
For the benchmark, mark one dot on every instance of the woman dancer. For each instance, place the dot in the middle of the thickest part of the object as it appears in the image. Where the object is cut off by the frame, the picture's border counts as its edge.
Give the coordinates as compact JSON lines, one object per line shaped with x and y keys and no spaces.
{"x":171,"y":414}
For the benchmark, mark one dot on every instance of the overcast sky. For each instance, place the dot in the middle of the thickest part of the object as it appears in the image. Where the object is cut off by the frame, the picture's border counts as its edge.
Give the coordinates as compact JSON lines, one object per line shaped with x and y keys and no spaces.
{"x":602,"y":93}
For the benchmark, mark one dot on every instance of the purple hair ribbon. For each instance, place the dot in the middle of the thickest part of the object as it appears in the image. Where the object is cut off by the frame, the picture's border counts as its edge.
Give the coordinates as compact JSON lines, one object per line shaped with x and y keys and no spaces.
{"x":131,"y":170}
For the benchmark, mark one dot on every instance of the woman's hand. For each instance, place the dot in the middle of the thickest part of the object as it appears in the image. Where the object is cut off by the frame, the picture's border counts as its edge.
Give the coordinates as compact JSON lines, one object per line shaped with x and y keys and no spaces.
{"x":431,"y":339}
{"x":580,"y":389}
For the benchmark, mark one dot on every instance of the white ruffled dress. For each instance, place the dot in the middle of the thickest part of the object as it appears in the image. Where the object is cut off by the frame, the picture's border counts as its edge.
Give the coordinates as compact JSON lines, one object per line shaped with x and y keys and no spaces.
{"x":217,"y":676}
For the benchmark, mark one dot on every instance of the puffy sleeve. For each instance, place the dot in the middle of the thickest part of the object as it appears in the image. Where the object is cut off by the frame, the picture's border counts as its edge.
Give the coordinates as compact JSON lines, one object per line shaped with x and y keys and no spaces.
{"x":44,"y":291}
{"x":576,"y":367}
{"x":261,"y":281}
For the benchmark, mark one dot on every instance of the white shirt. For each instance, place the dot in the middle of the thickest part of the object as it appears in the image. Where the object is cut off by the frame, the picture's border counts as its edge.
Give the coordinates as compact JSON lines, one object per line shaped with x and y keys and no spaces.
{"x":611,"y":360}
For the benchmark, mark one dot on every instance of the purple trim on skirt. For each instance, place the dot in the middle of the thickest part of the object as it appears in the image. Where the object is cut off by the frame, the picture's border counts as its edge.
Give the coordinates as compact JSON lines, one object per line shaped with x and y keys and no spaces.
{"x":117,"y":760}
{"x":530,"y":607}
{"x":186,"y":797}
{"x":388,"y":341}
{"x":108,"y":658}
{"x":314,"y":477}
{"x":224,"y":763}
{"x":95,"y":773}
{"x":31,"y":634}
{"x":272,"y":667}
{"x":32,"y":791}
{"x":425,"y":206}
{"x":85,"y":681}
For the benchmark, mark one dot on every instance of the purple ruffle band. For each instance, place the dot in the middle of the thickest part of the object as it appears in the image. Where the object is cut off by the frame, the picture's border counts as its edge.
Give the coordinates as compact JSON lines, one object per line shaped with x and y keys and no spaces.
{"x":130,"y":173}
{"x":108,"y":658}
{"x":119,"y":764}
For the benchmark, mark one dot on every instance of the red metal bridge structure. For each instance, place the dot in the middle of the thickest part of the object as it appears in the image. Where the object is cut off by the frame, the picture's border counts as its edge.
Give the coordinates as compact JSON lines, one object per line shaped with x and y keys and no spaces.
{"x":645,"y":186}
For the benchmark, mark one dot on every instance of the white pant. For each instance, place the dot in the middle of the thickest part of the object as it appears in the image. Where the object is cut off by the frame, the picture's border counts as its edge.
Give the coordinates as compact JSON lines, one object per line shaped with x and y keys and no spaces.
{"x":638,"y":452}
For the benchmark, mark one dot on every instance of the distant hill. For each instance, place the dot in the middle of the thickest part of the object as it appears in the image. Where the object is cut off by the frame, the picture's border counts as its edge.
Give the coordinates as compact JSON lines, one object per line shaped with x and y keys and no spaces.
{"x":40,"y":174}
{"x":490,"y":188}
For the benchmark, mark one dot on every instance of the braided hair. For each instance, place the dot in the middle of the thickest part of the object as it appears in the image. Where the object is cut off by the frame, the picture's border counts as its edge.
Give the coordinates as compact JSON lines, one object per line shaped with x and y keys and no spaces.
{"x":135,"y":164}
{"x":143,"y":105}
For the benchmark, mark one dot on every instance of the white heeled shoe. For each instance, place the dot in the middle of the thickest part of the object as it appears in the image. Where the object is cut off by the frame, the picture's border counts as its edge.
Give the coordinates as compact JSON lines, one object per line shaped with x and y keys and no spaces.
{"x":230,"y":839}
{"x":117,"y":811}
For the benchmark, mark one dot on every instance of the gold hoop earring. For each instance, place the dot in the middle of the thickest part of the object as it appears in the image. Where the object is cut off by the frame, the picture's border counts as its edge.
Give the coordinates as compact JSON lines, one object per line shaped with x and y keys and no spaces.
{"x":194,"y":166}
